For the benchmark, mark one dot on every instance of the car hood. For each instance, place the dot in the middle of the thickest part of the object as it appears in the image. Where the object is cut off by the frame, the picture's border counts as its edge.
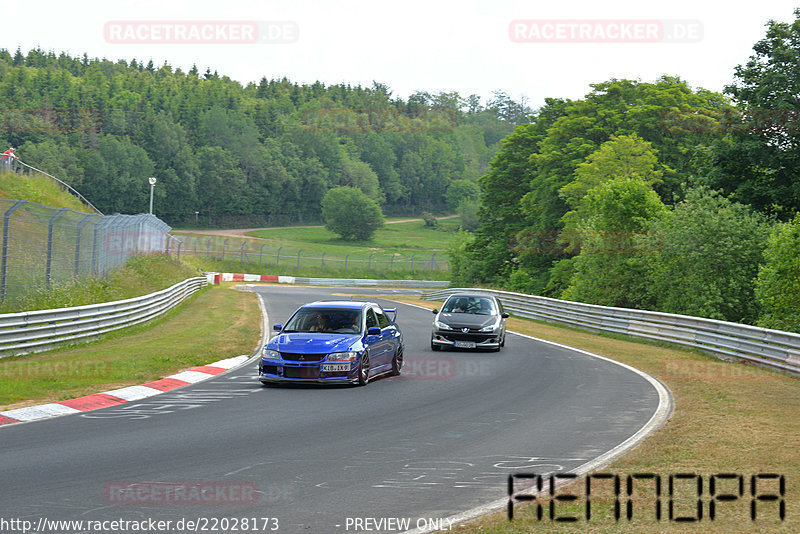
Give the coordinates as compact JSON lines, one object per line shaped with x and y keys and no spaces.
{"x":461,"y":320}
{"x":312,"y":343}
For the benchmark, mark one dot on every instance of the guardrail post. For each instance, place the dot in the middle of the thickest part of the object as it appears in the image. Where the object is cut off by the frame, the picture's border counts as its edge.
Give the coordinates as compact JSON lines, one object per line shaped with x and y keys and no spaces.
{"x":322,"y":261}
{"x":345,"y":263}
{"x":298,"y":259}
{"x":278,"y":259}
{"x":49,"y":262}
{"x":224,"y":244}
{"x":4,"y":261}
{"x":261,"y":253}
{"x":241,"y":253}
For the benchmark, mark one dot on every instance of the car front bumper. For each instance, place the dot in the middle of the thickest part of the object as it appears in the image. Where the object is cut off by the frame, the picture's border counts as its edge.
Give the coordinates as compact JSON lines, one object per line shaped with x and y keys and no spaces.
{"x":489,"y":340}
{"x":271,"y":371}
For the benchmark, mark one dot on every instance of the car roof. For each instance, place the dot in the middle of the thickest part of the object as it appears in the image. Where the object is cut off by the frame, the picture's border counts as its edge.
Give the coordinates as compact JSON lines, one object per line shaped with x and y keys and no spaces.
{"x":341,"y":304}
{"x":471,"y":295}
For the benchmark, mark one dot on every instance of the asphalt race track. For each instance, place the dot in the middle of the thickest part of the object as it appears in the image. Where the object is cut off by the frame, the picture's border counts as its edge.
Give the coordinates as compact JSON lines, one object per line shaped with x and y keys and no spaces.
{"x":436,"y":441}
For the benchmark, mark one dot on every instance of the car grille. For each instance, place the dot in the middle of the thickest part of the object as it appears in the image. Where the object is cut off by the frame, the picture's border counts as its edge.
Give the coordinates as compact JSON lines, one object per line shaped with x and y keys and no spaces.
{"x":293,"y":357}
{"x":460,"y":336}
{"x":270,"y":369}
{"x":301,"y":372}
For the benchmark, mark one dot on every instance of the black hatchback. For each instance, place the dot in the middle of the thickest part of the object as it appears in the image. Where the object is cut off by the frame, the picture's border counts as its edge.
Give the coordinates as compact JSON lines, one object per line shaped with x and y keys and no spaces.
{"x":469,"y":321}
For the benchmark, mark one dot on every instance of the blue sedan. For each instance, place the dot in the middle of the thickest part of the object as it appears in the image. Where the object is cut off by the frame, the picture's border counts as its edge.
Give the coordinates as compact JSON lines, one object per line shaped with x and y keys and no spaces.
{"x":334,"y":342}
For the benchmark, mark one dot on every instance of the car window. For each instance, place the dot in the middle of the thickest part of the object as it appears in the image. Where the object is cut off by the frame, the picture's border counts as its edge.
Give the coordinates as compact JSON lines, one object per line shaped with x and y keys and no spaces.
{"x":473,"y":305}
{"x":485,"y":307}
{"x":383,"y":321}
{"x":371,"y":319}
{"x":454,"y":305}
{"x":325,"y":320}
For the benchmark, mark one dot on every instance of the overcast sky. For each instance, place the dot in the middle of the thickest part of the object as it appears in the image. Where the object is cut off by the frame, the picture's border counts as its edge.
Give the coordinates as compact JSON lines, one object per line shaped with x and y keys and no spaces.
{"x":411,"y":45}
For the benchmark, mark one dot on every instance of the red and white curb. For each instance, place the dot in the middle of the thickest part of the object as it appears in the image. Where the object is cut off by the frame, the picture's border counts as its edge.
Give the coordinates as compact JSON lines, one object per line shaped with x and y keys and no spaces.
{"x":217,"y":278}
{"x":96,"y":401}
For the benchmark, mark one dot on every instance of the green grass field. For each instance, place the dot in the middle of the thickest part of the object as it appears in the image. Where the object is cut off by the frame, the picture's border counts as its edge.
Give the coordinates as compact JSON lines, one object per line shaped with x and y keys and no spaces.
{"x":399,"y":250}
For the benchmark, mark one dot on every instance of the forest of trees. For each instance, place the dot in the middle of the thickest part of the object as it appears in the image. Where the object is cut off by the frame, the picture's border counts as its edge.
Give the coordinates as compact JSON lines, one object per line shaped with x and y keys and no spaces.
{"x":654,"y":195}
{"x":264,"y":153}
{"x":642,"y":194}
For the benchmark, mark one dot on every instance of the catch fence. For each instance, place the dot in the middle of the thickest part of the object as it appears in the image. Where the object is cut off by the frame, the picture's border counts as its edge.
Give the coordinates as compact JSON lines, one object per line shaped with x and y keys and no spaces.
{"x":251,"y":252}
{"x":44,"y":246}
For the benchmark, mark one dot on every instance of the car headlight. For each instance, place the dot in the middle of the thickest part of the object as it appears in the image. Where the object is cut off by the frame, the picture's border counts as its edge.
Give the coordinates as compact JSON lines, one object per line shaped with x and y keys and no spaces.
{"x":442,"y":326}
{"x":271,"y":354}
{"x":349,"y":356}
{"x":489,"y":328}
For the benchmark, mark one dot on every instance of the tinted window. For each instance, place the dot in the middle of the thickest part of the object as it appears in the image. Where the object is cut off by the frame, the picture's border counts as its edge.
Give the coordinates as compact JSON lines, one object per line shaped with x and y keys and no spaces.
{"x":383,"y":321}
{"x":371,"y":319}
{"x":327,"y":320}
{"x":474,"y":305}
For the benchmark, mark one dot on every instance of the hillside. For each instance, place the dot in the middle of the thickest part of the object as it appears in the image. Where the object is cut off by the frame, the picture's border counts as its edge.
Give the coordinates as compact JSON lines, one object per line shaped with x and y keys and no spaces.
{"x":39,"y":189}
{"x":225,"y":154}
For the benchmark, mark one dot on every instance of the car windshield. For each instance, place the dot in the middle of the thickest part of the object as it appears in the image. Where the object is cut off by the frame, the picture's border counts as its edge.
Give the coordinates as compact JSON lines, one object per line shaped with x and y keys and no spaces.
{"x":325,"y":320}
{"x":473,"y":305}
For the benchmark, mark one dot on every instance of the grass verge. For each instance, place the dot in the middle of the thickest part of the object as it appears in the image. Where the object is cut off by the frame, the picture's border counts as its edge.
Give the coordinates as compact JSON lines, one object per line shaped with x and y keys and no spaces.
{"x":39,"y":189}
{"x":141,"y":275}
{"x":216,"y":323}
{"x":728,"y":418}
{"x":402,"y":250}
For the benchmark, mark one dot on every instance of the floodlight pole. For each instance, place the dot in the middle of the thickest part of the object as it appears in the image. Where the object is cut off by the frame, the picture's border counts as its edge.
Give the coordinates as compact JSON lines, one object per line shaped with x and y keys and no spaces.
{"x":152,"y":181}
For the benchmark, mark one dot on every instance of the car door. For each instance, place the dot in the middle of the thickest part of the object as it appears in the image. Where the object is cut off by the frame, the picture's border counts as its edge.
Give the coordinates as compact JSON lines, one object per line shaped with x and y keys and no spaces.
{"x":374,"y":342}
{"x":385,"y":347}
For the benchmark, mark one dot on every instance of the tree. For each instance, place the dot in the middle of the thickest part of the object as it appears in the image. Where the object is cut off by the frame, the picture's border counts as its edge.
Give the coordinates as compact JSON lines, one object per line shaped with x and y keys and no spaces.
{"x":759,"y":160}
{"x":347,"y":211}
{"x":704,"y":255}
{"x":609,"y":269}
{"x":460,"y":191}
{"x":778,"y":283}
{"x":620,"y":157}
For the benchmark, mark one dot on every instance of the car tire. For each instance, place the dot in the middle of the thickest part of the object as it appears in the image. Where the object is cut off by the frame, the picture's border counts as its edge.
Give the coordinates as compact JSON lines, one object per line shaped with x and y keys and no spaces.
{"x":397,"y":362}
{"x":363,"y":370}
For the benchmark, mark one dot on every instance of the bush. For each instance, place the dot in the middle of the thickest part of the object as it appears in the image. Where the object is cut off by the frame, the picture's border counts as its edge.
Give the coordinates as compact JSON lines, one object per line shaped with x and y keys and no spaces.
{"x":778,"y":282}
{"x":347,"y":211}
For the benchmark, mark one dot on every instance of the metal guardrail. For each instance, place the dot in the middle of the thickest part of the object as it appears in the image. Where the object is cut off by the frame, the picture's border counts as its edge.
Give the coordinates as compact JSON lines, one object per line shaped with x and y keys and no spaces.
{"x":36,"y":331}
{"x":770,"y":348}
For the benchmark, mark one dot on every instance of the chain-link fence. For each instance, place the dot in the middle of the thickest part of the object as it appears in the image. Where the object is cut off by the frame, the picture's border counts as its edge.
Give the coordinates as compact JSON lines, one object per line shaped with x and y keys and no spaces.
{"x":251,"y":252}
{"x":42,"y":246}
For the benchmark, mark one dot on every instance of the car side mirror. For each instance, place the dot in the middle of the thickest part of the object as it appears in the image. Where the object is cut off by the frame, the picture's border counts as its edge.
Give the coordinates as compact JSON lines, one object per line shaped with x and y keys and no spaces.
{"x":435,"y":311}
{"x":277,"y":327}
{"x":373,"y":331}
{"x":504,"y":315}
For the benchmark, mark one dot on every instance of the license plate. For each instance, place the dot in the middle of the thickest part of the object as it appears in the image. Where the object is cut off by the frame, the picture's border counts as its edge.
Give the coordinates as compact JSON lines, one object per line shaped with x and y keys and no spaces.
{"x":333,"y":367}
{"x":465,"y":344}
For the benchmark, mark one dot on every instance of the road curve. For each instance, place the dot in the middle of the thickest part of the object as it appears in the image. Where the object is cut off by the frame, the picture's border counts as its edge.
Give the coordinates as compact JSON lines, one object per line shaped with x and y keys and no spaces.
{"x":437,"y":441}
